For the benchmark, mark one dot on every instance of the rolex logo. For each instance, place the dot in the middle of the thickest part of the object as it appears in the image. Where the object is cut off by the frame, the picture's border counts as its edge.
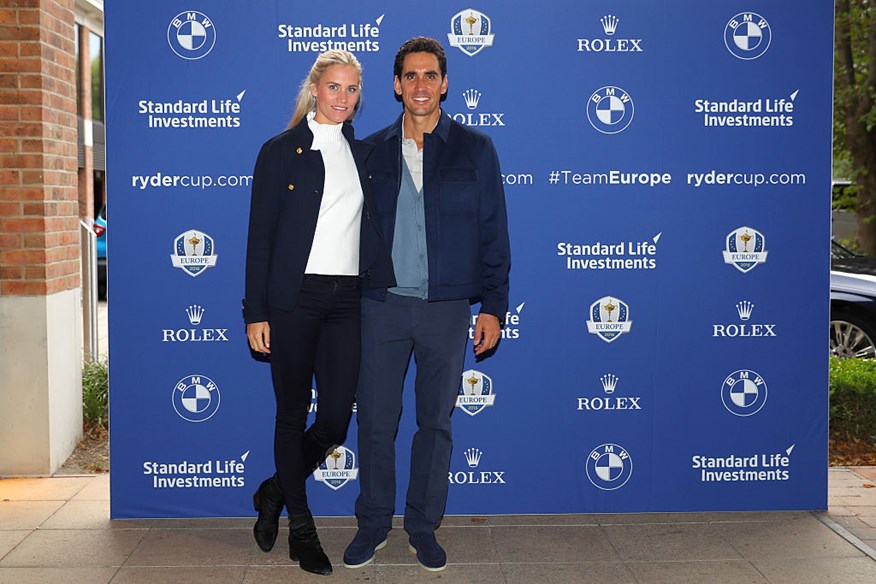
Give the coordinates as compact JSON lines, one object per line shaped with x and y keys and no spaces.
{"x":195,"y":313}
{"x":609,"y":404}
{"x":609,"y":24}
{"x":475,"y":477}
{"x":746,"y":329}
{"x":744,"y":309}
{"x":609,"y":43}
{"x":609,"y":382}
{"x":471,"y":97}
{"x":473,"y":457}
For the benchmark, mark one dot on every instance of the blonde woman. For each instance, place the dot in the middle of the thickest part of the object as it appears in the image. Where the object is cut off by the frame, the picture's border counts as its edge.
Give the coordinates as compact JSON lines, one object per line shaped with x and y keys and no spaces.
{"x":312,"y":246}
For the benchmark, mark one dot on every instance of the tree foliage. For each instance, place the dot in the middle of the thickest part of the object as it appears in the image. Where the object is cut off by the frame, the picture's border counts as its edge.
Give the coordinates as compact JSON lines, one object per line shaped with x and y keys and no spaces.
{"x":855,"y":109}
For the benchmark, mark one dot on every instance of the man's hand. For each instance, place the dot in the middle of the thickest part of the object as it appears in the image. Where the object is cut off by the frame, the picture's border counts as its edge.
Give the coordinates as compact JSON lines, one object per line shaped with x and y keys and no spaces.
{"x":486,"y":334}
{"x":259,"y":335}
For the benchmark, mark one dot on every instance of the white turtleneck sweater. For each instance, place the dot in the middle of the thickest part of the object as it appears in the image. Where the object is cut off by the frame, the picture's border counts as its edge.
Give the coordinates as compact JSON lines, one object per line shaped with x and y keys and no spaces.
{"x":335,"y":250}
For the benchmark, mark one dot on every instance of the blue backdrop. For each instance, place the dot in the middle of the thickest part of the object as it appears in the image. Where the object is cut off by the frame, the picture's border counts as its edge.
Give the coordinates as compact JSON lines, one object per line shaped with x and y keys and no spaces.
{"x":667,"y":173}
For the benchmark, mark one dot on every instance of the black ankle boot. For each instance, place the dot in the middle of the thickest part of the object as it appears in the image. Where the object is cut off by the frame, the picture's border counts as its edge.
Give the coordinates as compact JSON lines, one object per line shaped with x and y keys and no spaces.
{"x":304,"y":545}
{"x":268,"y":501}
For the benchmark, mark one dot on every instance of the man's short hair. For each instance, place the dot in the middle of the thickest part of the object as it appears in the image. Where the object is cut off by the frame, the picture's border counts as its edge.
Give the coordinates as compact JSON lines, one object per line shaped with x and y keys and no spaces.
{"x":420,"y":45}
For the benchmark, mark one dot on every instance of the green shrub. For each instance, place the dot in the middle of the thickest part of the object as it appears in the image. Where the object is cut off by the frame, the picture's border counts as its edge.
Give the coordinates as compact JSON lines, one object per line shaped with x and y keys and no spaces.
{"x":853,"y":399}
{"x":95,"y":397}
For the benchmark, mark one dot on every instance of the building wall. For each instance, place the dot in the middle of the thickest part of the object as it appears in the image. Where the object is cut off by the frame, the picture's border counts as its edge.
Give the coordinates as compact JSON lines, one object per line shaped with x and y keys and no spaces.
{"x":40,"y":307}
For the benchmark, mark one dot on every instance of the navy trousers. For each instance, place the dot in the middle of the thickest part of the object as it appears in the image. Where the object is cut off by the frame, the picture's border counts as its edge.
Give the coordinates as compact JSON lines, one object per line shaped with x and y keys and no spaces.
{"x":319,"y":336}
{"x":436,"y":333}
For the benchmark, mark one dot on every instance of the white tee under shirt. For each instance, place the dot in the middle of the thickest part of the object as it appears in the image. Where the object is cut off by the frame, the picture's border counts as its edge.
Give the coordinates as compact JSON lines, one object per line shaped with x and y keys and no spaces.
{"x":335,"y":250}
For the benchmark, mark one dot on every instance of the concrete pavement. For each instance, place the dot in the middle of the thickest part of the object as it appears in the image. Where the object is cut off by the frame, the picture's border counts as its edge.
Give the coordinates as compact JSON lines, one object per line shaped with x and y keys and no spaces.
{"x":58,"y":530}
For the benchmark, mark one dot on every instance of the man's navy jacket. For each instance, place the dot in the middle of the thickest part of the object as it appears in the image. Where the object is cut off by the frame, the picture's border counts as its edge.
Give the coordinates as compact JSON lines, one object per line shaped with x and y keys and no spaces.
{"x":466,"y":222}
{"x":287,"y":191}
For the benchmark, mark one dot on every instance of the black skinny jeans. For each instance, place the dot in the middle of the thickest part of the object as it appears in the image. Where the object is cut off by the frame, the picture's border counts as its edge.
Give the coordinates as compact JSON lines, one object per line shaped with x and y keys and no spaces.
{"x":320,"y":336}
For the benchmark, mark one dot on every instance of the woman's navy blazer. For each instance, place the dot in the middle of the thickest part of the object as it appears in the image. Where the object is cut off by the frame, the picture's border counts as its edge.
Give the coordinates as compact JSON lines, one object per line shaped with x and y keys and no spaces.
{"x":287,"y":188}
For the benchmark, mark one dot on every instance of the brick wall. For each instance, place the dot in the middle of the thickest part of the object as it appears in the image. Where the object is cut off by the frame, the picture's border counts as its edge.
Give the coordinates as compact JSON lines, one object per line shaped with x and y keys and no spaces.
{"x":39,"y":202}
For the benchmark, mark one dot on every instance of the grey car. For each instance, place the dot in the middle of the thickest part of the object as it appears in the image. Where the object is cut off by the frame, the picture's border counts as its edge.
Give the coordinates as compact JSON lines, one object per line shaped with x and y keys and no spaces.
{"x":852,"y":303}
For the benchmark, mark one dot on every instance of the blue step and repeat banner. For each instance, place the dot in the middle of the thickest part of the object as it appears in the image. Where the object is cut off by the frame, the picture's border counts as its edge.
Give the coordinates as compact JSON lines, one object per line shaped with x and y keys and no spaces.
{"x":667,"y":172}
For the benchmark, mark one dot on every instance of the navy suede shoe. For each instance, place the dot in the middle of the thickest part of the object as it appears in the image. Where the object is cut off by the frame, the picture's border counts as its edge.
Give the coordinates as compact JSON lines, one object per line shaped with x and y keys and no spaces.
{"x":430,"y":555}
{"x":361,"y":550}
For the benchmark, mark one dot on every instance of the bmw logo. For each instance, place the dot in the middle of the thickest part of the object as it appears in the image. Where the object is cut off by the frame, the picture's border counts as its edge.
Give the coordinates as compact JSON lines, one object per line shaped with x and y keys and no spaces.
{"x":609,"y":467}
{"x":747,"y":35}
{"x":744,"y":393}
{"x":191,"y":35}
{"x":195,"y":398}
{"x":610,"y":109}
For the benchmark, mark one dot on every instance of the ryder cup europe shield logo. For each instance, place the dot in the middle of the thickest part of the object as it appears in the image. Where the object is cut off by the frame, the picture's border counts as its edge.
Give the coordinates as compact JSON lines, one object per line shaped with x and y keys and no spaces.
{"x":609,"y":318}
{"x":745,"y":249}
{"x":475,"y":392}
{"x":194,"y":252}
{"x":338,"y":468}
{"x":470,"y":32}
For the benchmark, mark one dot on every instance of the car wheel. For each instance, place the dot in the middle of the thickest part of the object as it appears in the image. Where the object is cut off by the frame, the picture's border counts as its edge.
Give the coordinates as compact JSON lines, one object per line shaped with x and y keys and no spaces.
{"x":851,"y":336}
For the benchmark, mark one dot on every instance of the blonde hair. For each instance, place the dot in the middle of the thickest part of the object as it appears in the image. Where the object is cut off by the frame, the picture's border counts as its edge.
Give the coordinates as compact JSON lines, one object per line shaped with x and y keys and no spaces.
{"x":306,"y":102}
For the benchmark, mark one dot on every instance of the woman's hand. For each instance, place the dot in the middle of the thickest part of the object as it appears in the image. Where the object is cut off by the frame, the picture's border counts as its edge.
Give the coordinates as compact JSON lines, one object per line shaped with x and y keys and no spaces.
{"x":259,"y":335}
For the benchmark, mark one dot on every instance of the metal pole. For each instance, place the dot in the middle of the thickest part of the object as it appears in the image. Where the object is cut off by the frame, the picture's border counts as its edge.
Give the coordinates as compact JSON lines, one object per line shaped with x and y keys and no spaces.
{"x":88,"y":253}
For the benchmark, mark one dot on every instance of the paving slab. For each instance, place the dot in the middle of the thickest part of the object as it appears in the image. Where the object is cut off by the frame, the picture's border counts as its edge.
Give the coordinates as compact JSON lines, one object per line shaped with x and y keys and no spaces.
{"x":287,"y":574}
{"x":10,"y":539}
{"x":324,"y":521}
{"x":553,"y":544}
{"x":671,"y":542}
{"x":209,"y":523}
{"x":556,"y":573}
{"x":533,"y":520}
{"x":865,"y":533}
{"x":697,"y":572}
{"x":74,"y":548}
{"x":97,"y":489}
{"x":453,"y":574}
{"x":860,"y":570}
{"x":41,"y":489}
{"x":81,"y":515}
{"x":66,"y":575}
{"x":698,"y":517}
{"x":26,"y":514}
{"x":201,"y":547}
{"x":866,"y":472}
{"x":181,"y":575}
{"x":805,"y":537}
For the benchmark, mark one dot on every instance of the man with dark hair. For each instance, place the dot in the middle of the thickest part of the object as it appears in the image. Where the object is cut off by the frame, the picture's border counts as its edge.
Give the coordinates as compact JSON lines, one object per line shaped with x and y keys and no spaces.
{"x":420,"y":45}
{"x":441,"y":206}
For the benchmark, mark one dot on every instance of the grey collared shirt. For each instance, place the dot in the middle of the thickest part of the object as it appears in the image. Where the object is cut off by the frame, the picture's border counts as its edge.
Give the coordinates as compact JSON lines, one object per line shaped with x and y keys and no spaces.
{"x":409,"y":254}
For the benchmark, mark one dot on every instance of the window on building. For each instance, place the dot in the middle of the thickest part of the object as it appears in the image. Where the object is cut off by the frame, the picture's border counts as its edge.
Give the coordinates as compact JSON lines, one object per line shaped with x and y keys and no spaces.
{"x":96,"y":46}
{"x":78,"y":75}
